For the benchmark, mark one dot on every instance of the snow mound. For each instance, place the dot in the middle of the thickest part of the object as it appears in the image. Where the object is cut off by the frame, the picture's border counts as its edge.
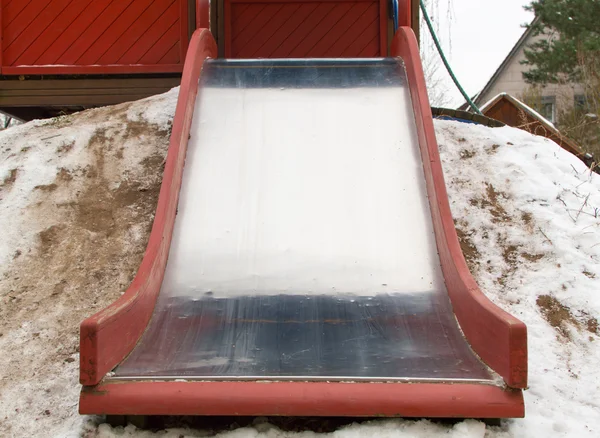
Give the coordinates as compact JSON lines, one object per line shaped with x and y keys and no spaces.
{"x":77,"y":198}
{"x":528,"y":215}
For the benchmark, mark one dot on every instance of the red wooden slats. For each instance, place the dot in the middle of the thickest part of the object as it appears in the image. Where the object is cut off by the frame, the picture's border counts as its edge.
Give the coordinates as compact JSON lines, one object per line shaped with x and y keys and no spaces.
{"x":113,"y":33}
{"x":361,"y":39}
{"x":285,"y":40}
{"x":246,"y":19}
{"x":172,"y":56}
{"x":320,"y":30}
{"x":137,"y":51}
{"x":135,"y":32}
{"x":308,"y":28}
{"x":94,"y":31}
{"x":51,"y":33}
{"x":57,"y":36}
{"x":344,"y":28}
{"x":40,"y":21}
{"x":265,"y":33}
{"x":22,"y":22}
{"x":371,"y":50}
{"x":11,"y":10}
{"x":72,"y":33}
{"x":162,"y":46}
{"x":251,"y":31}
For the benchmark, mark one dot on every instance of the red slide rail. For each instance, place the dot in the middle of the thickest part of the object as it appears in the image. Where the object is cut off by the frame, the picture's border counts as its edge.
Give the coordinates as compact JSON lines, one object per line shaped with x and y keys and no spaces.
{"x":108,"y":336}
{"x":497,"y":337}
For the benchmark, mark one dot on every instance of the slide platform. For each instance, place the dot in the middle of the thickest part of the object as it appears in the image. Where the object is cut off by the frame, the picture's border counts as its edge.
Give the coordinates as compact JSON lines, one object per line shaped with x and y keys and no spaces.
{"x":303,"y":259}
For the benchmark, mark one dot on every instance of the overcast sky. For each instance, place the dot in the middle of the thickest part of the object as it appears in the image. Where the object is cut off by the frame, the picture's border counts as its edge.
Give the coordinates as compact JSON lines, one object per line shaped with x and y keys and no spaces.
{"x":477,"y":35}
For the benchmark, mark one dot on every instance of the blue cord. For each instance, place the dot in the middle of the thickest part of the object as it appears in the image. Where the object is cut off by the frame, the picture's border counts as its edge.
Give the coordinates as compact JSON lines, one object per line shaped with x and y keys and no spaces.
{"x":395,"y":14}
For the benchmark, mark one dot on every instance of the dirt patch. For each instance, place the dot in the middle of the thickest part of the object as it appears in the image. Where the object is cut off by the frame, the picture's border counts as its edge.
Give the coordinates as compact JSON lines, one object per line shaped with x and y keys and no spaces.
{"x":532,"y":257}
{"x":10,"y":179}
{"x":558,"y":315}
{"x":492,"y":202}
{"x":65,"y":148}
{"x":588,"y":274}
{"x":469,"y":250}
{"x":46,"y":187}
{"x":465,"y":154}
{"x":94,"y":221}
{"x":592,"y":325}
{"x":50,"y":237}
{"x":492,"y":149}
{"x":63,"y":175}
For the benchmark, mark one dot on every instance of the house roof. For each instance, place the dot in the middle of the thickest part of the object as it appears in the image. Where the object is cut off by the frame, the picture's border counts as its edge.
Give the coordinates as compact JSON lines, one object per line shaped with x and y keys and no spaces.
{"x":506,"y":61}
{"x":516,"y":102}
{"x":552,"y":132}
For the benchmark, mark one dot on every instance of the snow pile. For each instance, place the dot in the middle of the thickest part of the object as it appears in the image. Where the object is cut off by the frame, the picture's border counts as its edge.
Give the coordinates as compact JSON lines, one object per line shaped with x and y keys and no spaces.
{"x":77,"y":196}
{"x":528,"y":214}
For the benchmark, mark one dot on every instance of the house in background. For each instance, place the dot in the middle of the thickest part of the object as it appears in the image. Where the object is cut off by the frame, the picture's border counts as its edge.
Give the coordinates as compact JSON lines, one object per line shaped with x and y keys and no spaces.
{"x":515,"y":113}
{"x":508,"y":79}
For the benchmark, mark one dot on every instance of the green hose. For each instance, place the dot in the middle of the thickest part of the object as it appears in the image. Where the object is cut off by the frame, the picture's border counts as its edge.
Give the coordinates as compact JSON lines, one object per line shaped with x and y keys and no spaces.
{"x":441,"y":52}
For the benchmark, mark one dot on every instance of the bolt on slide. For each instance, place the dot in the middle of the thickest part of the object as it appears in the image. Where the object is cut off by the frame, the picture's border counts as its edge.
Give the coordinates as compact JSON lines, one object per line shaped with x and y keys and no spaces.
{"x":303,"y":259}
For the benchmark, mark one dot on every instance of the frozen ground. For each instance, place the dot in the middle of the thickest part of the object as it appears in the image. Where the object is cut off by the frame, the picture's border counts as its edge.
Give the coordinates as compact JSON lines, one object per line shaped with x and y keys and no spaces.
{"x":77,"y":196}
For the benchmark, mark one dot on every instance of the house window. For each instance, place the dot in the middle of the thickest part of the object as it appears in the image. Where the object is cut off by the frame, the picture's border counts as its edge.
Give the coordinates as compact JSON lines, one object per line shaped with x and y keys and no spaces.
{"x":548,"y":108}
{"x":581,"y":103}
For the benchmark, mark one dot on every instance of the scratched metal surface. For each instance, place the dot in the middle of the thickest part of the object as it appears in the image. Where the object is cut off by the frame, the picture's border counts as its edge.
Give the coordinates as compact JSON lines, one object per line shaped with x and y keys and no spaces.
{"x":303,"y":246}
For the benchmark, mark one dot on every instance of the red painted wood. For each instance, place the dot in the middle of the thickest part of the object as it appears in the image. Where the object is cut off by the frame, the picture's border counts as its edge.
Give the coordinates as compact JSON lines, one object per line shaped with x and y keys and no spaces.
{"x":114,"y":32}
{"x":344,"y":27}
{"x":296,"y":32}
{"x":353,"y":26}
{"x":264,"y":36}
{"x":91,"y":69}
{"x":172,"y":56}
{"x":135,"y":32}
{"x":404,"y":13}
{"x":72,"y":33}
{"x":358,"y":45}
{"x":144,"y":45}
{"x":302,"y":399}
{"x":162,"y":46}
{"x":497,"y":337}
{"x":95,"y":31}
{"x":93,"y":36}
{"x":11,"y":10}
{"x":37,"y":23}
{"x":282,"y":28}
{"x":203,"y":14}
{"x":51,"y":33}
{"x":108,"y":336}
{"x":1,"y":36}
{"x":184,"y":31}
{"x":371,"y":49}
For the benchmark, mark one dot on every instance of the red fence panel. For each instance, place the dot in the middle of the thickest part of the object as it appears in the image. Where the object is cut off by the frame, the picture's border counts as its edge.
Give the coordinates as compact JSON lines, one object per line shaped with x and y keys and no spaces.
{"x":305,"y":29}
{"x":93,"y":36}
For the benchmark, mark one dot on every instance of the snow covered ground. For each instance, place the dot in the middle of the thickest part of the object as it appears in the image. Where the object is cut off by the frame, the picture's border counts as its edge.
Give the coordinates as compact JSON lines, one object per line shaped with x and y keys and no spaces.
{"x":77,"y":196}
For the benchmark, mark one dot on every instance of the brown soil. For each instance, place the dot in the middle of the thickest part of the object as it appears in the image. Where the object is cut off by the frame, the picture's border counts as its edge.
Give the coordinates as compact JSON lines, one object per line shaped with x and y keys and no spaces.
{"x":592,"y":326}
{"x":469,"y":250}
{"x":465,"y":154}
{"x":10,"y":179}
{"x":557,"y":315}
{"x":91,"y":241}
{"x":492,"y":202}
{"x":588,"y":274}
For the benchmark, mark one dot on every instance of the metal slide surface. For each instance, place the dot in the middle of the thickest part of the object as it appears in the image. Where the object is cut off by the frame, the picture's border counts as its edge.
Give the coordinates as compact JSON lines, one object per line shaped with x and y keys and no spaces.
{"x":303,"y":245}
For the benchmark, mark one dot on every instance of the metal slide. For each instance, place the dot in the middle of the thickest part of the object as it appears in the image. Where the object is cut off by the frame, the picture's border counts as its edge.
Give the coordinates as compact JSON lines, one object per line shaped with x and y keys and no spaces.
{"x":303,"y":245}
{"x":312,"y":251}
